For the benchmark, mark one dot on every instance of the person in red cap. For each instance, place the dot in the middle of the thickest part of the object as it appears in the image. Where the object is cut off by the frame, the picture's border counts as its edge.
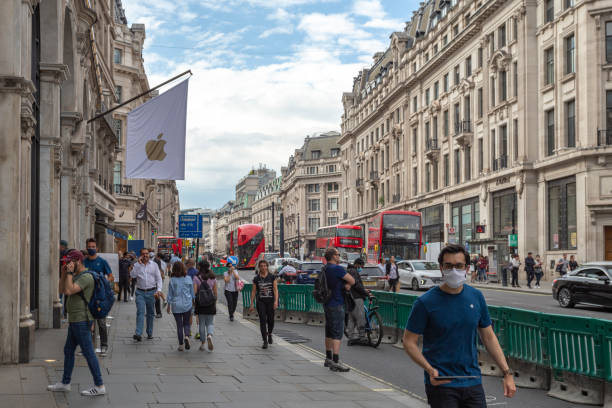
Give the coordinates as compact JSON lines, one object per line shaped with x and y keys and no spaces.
{"x":74,"y":280}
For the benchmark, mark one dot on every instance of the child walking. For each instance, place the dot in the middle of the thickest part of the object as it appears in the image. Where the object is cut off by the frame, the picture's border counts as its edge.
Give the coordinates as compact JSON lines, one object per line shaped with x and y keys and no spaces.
{"x":205,"y":304}
{"x":180,"y":299}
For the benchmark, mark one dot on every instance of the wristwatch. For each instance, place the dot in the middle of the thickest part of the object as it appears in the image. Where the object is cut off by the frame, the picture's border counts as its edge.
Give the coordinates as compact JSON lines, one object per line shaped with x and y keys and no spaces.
{"x":507,"y":373}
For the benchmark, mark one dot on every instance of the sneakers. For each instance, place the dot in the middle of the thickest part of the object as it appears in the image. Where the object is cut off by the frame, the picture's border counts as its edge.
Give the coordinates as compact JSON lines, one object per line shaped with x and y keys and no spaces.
{"x":264,"y":345}
{"x":269,"y":339}
{"x":187,"y":345}
{"x":180,"y":347}
{"x":231,"y":318}
{"x":338,"y":367}
{"x":103,"y":350}
{"x":197,"y":336}
{"x":149,"y":337}
{"x":58,"y":387}
{"x":202,"y":347}
{"x":327,"y":362}
{"x":159,"y":315}
{"x":209,"y":341}
{"x":137,"y":337}
{"x":94,"y":391}
{"x":131,"y":298}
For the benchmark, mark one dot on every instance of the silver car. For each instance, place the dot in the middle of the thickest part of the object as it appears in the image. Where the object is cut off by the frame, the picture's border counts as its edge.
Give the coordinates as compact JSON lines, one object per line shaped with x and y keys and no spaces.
{"x":419,"y":274}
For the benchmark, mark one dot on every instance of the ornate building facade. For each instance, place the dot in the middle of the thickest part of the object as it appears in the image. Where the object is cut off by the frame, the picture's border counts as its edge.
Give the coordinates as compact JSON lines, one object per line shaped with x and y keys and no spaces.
{"x":489,"y":114}
{"x":266,"y":212}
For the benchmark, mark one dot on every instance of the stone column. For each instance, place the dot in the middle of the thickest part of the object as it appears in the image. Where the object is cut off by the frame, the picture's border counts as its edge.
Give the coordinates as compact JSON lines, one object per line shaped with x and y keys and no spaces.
{"x":527,"y":215}
{"x":51,"y":76}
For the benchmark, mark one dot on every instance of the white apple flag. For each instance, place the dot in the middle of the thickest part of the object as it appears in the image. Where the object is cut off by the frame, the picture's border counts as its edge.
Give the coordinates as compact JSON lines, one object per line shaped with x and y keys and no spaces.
{"x":156,"y":136}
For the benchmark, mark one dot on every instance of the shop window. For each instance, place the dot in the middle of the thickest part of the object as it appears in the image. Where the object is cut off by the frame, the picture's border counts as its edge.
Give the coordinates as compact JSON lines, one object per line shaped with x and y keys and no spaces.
{"x":562,"y":232}
{"x":504,"y":213}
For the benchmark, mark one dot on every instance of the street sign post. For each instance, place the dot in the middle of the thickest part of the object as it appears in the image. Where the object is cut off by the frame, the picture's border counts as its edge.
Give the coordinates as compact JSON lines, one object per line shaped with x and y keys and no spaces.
{"x":190,"y":226}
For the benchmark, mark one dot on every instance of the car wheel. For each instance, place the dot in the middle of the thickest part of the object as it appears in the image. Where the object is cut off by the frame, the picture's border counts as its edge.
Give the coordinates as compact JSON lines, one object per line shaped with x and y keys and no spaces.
{"x":415,"y":284}
{"x":565,"y":298}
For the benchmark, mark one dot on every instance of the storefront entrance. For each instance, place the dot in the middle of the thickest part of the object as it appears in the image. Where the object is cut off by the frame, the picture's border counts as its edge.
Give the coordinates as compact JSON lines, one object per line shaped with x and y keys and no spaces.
{"x":608,"y":244}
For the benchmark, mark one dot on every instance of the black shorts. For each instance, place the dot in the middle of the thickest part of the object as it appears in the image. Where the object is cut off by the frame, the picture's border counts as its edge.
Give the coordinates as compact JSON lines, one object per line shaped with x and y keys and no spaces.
{"x":334,"y":322}
{"x":393,"y":282}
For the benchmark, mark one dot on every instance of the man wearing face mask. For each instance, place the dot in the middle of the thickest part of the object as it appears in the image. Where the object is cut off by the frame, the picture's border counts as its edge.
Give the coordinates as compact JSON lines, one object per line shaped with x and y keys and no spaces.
{"x":449,"y":317}
{"x":356,"y":317}
{"x":95,"y":263}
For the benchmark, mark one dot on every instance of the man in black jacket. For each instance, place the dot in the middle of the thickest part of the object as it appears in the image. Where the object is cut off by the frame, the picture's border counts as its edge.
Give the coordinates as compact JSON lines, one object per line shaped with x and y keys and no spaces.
{"x":529,"y":268}
{"x":356,"y":316}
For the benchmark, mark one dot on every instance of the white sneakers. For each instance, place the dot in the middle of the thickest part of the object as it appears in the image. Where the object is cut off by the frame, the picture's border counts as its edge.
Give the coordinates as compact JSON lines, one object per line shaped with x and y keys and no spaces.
{"x":91,"y":392}
{"x":180,"y":347}
{"x":210,"y":343}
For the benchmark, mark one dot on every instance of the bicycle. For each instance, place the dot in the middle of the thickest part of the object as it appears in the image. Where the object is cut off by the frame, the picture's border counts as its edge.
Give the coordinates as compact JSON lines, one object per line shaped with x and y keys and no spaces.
{"x":373,"y":327}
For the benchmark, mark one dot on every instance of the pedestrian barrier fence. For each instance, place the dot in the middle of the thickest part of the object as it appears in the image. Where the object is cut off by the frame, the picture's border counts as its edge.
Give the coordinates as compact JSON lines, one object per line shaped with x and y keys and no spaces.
{"x":219,"y":270}
{"x":563,"y":344}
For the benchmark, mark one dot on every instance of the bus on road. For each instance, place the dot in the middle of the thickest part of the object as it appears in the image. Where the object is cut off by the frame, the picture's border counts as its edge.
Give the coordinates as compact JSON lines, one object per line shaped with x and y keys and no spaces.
{"x":168,"y":244}
{"x":246,"y":242}
{"x":394,"y":233}
{"x":348,"y":239}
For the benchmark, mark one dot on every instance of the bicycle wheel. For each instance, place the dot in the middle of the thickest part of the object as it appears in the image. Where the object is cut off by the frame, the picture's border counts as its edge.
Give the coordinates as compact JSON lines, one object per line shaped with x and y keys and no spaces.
{"x":375,"y":332}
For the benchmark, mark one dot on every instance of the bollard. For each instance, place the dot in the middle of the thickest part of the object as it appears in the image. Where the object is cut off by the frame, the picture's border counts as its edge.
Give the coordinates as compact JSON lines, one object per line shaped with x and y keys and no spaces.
{"x":315,"y":319}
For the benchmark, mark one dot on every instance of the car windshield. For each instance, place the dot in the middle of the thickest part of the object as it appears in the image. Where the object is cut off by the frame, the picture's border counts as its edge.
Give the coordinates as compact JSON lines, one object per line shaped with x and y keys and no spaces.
{"x":426,"y":266}
{"x":311,"y":266}
{"x":371,"y":271}
{"x":348,"y":232}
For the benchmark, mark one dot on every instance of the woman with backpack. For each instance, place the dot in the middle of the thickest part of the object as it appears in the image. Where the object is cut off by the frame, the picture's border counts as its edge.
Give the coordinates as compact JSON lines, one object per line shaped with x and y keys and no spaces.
{"x":180,"y":298}
{"x":265,"y":291}
{"x":205,"y":285}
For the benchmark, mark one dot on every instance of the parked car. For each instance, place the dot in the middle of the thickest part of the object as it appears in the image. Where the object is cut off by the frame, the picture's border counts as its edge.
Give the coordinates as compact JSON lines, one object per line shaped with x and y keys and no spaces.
{"x":419,"y":274}
{"x":277,"y":264}
{"x":270,"y":256}
{"x":373,"y":277}
{"x":590,"y":283}
{"x":307,"y":272}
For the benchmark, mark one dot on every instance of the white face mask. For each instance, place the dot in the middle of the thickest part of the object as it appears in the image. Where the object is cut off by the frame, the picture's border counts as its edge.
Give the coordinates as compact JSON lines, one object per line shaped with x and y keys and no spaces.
{"x":454,"y":278}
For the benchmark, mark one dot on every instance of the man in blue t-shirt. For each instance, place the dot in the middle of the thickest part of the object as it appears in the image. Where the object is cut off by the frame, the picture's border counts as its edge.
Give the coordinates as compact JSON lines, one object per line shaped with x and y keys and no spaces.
{"x":338,"y":281}
{"x":97,"y":264}
{"x":449,"y":317}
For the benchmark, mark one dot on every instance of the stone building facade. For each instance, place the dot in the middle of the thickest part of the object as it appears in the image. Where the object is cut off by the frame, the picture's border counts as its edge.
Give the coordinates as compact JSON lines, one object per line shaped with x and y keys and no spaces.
{"x":311,"y":191}
{"x":266,"y":212}
{"x":222,"y":228}
{"x":489,"y":114}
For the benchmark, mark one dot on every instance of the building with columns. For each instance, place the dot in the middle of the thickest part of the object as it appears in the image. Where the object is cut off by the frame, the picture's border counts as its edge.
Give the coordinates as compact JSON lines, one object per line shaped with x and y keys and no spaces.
{"x":266,"y":212}
{"x":311,"y":191}
{"x":490,"y":114}
{"x":222,"y":228}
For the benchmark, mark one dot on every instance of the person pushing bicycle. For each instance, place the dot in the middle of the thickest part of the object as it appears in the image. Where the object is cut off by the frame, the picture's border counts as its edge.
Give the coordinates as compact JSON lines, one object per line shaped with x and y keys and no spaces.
{"x":355,"y":311}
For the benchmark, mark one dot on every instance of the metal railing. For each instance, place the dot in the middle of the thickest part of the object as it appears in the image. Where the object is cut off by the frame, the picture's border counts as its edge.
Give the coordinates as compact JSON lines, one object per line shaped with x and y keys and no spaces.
{"x":604,"y":137}
{"x":125,"y":189}
{"x":464,"y":126}
{"x":431,"y":144}
{"x":500,"y":163}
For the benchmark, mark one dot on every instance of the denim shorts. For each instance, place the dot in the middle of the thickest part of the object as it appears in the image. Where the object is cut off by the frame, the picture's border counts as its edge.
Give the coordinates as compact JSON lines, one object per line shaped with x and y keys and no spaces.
{"x":334,"y":322}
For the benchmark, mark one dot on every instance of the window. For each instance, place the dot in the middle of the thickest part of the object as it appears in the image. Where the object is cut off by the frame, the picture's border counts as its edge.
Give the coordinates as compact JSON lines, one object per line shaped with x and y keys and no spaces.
{"x":397,"y":115}
{"x":549,"y":62}
{"x":456,"y":29}
{"x":562,"y":214}
{"x":480,"y":103}
{"x":467,"y":111}
{"x":332,"y":204}
{"x":570,"y":113}
{"x":414,"y":104}
{"x":480,"y":57}
{"x":159,"y":204}
{"x":468,"y":163}
{"x":312,"y":170}
{"x":434,"y":128}
{"x":117,"y":173}
{"x":332,"y":220}
{"x":491,"y":44}
{"x":427,"y":136}
{"x":332,"y":187}
{"x":457,"y":119}
{"x":427,"y":177}
{"x":445,"y":87}
{"x":118,"y":90}
{"x":414,"y":140}
{"x":397,"y":148}
{"x":427,"y":97}
{"x":436,"y":94}
{"x":435,"y":175}
{"x":314,"y":205}
{"x":503,"y":140}
{"x":503,"y":88}
{"x":492,"y":91}
{"x":569,"y":3}
{"x":444,"y":40}
{"x":315,"y":154}
{"x":515,"y":82}
{"x":331,"y":168}
{"x":609,"y":41}
{"x":504,"y":213}
{"x":426,"y":56}
{"x":549,"y":13}
{"x":515,"y":28}
{"x":414,"y":67}
{"x":550,"y":131}
{"x":118,"y":129}
{"x":435,"y":49}
{"x":515,"y":138}
{"x":377,"y":135}
{"x":117,"y":56}
{"x":468,"y":66}
{"x":493,"y":150}
{"x":446,"y":171}
{"x":457,"y":75}
{"x":312,"y":188}
{"x":570,"y":60}
{"x":445,"y":122}
{"x":501,"y":36}
{"x":415,"y":181}
{"x":313,"y":224}
{"x":335,"y":152}
{"x":480,"y":155}
{"x":457,"y":166}
{"x":608,"y":113}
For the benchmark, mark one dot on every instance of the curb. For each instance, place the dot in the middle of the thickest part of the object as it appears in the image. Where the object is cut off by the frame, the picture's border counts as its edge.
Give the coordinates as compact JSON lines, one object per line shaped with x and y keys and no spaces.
{"x":511,"y":289}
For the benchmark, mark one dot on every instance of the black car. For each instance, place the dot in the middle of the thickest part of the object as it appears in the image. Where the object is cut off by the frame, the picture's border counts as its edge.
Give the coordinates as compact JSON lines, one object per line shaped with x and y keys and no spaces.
{"x":307,"y":272}
{"x":590,"y":283}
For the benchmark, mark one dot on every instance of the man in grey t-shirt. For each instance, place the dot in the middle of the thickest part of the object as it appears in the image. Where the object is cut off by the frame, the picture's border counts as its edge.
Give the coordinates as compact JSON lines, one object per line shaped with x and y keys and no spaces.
{"x":563,"y":265}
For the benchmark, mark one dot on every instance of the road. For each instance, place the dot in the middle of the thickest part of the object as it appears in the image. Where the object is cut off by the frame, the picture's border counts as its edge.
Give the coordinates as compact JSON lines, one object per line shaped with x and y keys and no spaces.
{"x":393,"y":366}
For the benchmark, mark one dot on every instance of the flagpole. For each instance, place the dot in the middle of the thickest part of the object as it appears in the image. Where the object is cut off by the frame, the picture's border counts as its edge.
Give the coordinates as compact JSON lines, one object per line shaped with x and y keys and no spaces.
{"x":138,"y":96}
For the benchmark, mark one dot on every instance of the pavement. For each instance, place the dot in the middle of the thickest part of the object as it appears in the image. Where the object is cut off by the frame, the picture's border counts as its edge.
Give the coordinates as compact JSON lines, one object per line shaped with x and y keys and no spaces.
{"x":545,"y":286}
{"x":238,"y":373}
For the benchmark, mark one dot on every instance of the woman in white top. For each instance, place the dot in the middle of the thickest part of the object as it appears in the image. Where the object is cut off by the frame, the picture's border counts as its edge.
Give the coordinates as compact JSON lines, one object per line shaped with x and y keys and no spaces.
{"x":231,"y":290}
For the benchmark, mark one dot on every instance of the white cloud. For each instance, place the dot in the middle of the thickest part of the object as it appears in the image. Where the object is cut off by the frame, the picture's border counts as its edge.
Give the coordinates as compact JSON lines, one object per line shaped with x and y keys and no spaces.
{"x":277,"y":30}
{"x":377,"y":17}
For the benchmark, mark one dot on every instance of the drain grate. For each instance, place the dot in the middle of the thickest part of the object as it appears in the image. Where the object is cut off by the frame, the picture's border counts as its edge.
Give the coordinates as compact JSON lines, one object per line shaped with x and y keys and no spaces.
{"x":291,"y":337}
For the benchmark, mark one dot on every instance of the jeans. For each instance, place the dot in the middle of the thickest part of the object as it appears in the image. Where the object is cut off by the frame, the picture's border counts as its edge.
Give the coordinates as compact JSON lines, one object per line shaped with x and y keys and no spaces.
{"x":455,"y":397}
{"x":132,"y":286}
{"x":265,"y":309}
{"x":183,"y":327}
{"x":79,"y":334}
{"x":207,"y":326}
{"x":482,"y":274}
{"x":124,"y":287}
{"x":530,"y":276}
{"x":334,"y":322}
{"x":356,"y":321}
{"x":514,"y":277}
{"x":538,"y":276}
{"x":144,"y":300}
{"x":103,"y":330}
{"x":232,"y":301}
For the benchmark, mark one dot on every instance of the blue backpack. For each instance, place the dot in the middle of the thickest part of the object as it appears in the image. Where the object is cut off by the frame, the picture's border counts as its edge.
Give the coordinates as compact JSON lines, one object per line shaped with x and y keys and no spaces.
{"x":102,"y":298}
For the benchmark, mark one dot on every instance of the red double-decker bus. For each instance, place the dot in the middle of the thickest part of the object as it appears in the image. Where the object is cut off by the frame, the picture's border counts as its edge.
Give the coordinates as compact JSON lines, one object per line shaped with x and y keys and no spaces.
{"x":167,"y":245}
{"x":348,"y":239}
{"x":246,"y":242}
{"x":395,"y":233}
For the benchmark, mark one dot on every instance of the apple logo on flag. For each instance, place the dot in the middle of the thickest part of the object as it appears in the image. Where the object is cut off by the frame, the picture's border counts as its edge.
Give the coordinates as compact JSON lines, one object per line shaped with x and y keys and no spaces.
{"x":155,"y":148}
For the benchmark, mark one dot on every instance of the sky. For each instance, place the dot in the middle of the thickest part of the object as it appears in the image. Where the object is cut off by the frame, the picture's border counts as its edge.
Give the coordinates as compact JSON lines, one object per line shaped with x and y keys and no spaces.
{"x":266,"y":73}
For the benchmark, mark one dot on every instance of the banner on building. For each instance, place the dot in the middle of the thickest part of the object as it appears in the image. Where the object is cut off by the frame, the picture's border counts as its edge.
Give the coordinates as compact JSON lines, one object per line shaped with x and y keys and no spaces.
{"x":141,"y":215}
{"x":156,"y":136}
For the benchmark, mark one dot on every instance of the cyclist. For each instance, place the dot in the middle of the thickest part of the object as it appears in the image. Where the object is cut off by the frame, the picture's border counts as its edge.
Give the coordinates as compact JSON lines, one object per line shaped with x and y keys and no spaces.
{"x":356,"y":321}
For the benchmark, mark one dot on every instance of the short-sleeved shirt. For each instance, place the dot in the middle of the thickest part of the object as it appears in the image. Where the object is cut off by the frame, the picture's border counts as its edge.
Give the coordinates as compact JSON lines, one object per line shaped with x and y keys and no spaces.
{"x":564,"y":265}
{"x":334,"y":274}
{"x":265,"y":287}
{"x":98,"y":265}
{"x":231,"y":285}
{"x":449,"y":325}
{"x":192,"y":272}
{"x":75,"y":305}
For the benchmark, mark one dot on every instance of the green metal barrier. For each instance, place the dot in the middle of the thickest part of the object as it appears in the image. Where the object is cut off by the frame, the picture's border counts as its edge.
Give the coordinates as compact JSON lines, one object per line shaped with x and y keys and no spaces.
{"x":574,"y":345}
{"x":604,"y":328}
{"x":246,"y":294}
{"x":525,"y":336}
{"x":219,"y":270}
{"x":387,"y":307}
{"x":404,"y":308}
{"x":296,"y":297}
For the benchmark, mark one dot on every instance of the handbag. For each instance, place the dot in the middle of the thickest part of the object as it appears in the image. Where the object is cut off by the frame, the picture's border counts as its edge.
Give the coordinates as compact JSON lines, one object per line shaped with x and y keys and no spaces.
{"x":239,"y":284}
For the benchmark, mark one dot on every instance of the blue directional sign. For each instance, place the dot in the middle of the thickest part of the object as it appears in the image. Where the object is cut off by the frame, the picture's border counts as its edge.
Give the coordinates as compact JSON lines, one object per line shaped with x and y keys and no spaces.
{"x":190,"y":226}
